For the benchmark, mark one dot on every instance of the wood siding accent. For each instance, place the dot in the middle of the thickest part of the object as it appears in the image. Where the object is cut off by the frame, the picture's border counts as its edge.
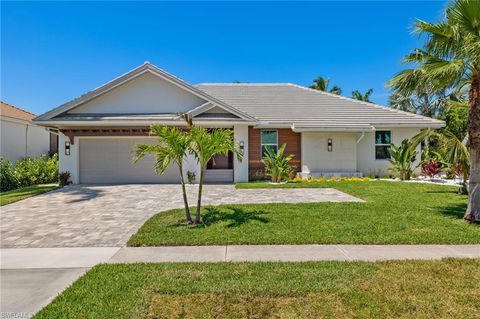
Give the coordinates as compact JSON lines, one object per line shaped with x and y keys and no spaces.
{"x":285,"y":136}
{"x":105,"y":131}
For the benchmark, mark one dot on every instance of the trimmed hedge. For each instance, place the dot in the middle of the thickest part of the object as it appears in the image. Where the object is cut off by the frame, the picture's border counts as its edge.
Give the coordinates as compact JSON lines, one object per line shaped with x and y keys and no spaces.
{"x":28,"y":171}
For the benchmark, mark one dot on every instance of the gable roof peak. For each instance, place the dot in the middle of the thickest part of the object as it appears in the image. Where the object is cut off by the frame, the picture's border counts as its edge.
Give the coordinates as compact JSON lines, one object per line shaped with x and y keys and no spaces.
{"x":139,"y":70}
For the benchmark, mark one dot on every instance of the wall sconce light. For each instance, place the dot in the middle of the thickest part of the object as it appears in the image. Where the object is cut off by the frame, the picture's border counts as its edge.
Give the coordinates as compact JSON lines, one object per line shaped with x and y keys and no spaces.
{"x":241,"y":145}
{"x":67,"y":148}
{"x":329,"y":145}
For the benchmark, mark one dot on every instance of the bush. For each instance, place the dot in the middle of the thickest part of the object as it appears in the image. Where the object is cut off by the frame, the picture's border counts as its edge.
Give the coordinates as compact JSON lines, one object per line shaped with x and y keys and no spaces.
{"x":8,"y":180}
{"x":191,"y":177}
{"x":402,"y":159}
{"x":63,"y":178}
{"x":29,"y":171}
{"x":431,"y":168}
{"x":277,"y":165}
{"x":37,"y":170}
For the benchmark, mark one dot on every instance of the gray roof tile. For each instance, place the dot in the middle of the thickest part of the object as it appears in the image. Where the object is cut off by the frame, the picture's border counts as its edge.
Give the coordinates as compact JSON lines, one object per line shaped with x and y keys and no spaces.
{"x":286,"y":103}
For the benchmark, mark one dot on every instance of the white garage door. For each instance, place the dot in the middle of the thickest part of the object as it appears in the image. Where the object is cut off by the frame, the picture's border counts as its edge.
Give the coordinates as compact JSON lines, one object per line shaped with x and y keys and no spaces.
{"x":109,"y":160}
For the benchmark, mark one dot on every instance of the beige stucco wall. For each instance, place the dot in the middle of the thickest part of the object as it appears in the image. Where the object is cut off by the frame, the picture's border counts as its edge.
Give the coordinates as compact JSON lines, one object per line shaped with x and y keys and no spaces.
{"x":240,"y":166}
{"x":21,"y":139}
{"x":145,"y":94}
{"x":68,"y":163}
{"x":347,"y":155}
{"x":316,"y":158}
{"x":366,"y":162}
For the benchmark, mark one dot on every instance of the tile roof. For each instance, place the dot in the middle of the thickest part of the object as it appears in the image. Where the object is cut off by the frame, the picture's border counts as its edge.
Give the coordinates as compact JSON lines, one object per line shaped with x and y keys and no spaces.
{"x":15,"y":112}
{"x":286,"y":103}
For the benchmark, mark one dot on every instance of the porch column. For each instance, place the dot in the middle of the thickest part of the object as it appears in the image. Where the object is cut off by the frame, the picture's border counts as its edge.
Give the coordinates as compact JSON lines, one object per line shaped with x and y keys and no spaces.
{"x":240,"y":168}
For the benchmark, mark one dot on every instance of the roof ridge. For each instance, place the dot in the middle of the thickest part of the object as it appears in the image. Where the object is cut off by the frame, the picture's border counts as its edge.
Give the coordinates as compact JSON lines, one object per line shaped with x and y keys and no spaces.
{"x":363,"y":102}
{"x":245,"y":84}
{"x":18,"y":108}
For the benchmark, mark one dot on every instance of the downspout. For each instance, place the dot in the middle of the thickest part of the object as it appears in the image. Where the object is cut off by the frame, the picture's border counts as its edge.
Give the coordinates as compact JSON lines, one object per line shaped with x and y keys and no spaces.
{"x":356,"y":149}
{"x":26,"y":140}
{"x":361,"y":137}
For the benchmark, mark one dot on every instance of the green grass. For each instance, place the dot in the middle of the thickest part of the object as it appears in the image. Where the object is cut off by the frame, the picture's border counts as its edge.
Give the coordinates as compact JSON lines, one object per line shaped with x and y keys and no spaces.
{"x":26,"y":192}
{"x":394,"y":213}
{"x":448,"y":288}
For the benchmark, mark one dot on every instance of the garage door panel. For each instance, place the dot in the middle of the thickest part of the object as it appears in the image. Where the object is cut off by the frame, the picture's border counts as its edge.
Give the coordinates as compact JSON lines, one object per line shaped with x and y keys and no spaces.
{"x":110,"y":160}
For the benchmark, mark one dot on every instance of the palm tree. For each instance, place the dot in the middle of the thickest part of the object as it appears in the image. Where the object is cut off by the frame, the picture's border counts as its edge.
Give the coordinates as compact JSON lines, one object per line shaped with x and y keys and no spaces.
{"x":357,"y":95}
{"x":204,"y":145}
{"x":449,"y":58}
{"x":172,"y":147}
{"x":321,"y":84}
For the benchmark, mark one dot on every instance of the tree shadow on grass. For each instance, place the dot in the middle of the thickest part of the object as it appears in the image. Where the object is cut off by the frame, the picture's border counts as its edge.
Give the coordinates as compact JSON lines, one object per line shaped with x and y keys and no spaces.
{"x":454,"y":210}
{"x":235,"y":216}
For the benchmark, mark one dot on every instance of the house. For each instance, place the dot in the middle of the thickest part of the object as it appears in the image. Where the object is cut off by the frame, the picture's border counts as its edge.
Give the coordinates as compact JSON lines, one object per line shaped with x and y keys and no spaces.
{"x":21,"y":137}
{"x":328,"y":134}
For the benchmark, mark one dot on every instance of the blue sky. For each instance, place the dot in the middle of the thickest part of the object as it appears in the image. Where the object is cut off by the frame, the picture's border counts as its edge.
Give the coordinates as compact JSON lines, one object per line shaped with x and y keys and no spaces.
{"x":52,"y":52}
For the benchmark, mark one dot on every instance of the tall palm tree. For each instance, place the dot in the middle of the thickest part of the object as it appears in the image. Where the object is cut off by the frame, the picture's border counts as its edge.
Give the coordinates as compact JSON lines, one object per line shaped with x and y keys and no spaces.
{"x":357,"y":95}
{"x":205,"y":144}
{"x":172,"y":147}
{"x":450,"y":57}
{"x":321,"y":84}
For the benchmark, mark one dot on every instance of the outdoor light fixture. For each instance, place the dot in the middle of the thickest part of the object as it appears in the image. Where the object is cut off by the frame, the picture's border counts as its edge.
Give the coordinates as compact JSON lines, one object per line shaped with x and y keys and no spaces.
{"x":67,"y":148}
{"x":330,"y":145}
{"x":242,"y":145}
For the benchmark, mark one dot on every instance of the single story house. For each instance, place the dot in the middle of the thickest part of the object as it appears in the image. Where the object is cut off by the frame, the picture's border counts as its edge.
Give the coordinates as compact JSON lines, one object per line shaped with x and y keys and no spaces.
{"x":328,"y":134}
{"x":20,"y":137}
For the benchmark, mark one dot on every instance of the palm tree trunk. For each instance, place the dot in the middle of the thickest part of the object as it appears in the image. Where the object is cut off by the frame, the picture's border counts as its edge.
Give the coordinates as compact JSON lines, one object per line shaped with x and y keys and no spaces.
{"x":185,"y":200}
{"x":199,"y":200}
{"x":473,"y":210}
{"x":464,"y":188}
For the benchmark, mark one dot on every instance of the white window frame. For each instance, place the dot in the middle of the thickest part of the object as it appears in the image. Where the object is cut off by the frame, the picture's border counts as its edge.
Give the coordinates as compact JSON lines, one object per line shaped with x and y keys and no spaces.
{"x":261,"y":144}
{"x":375,"y":147}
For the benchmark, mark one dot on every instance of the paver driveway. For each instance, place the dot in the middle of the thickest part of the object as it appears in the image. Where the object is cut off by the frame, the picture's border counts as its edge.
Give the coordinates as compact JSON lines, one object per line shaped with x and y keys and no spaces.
{"x":96,"y":215}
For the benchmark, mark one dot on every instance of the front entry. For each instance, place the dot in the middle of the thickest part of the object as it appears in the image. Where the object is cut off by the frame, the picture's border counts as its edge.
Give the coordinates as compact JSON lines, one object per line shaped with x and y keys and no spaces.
{"x":220,"y":169}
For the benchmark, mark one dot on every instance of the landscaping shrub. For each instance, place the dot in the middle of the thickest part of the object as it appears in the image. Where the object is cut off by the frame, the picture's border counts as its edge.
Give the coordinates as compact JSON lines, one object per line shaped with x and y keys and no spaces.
{"x":431,"y":168}
{"x":402,"y":159}
{"x":8,"y":179}
{"x":191,"y":177}
{"x":277,"y":165}
{"x":37,"y":170}
{"x":29,"y":171}
{"x":63,"y":178}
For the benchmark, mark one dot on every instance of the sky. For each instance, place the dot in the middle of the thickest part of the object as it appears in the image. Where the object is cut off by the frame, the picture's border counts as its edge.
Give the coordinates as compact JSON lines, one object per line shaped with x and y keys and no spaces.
{"x":52,"y":52}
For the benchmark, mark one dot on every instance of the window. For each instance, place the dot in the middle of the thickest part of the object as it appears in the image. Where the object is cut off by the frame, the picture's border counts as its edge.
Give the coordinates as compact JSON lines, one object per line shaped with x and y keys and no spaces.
{"x":268,"y":140}
{"x":383,"y":139}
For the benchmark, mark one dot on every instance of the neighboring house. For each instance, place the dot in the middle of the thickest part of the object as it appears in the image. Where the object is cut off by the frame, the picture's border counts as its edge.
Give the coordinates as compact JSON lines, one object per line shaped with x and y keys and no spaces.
{"x":328,"y":134}
{"x":21,"y":137}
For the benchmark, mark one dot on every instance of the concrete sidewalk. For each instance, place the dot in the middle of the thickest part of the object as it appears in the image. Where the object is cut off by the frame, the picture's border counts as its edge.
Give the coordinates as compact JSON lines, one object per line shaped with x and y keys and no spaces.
{"x":292,"y":253}
{"x":31,"y":277}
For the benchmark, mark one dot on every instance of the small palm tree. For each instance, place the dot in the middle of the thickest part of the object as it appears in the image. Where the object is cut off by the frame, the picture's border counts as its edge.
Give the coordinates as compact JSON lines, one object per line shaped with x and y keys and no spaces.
{"x":204,"y":145}
{"x":402,"y":159}
{"x":172,"y":147}
{"x":357,"y":95}
{"x":321,"y":84}
{"x":277,"y":165}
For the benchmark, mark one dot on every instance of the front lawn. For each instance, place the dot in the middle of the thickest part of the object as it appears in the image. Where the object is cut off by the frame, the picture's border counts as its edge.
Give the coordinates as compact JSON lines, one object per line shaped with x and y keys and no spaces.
{"x":394,"y":213}
{"x":22,"y":193}
{"x":395,"y":289}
